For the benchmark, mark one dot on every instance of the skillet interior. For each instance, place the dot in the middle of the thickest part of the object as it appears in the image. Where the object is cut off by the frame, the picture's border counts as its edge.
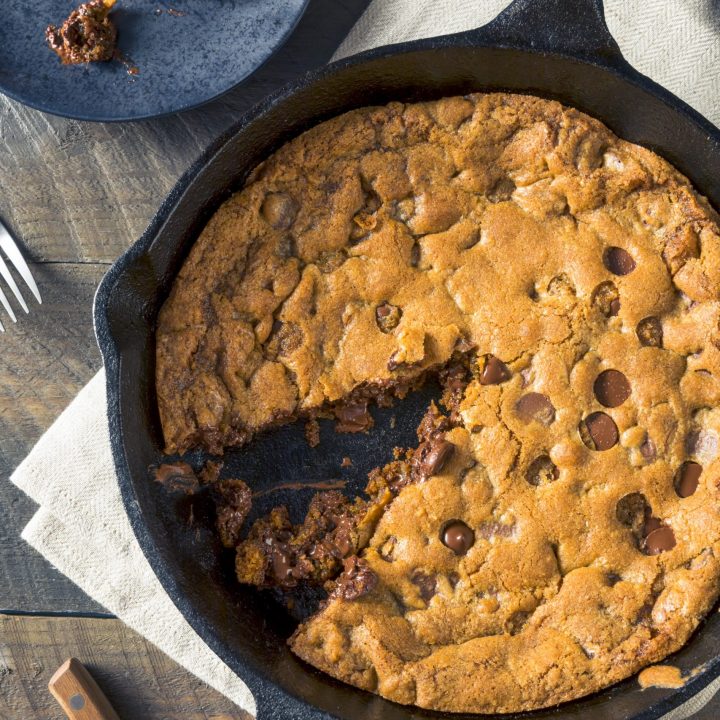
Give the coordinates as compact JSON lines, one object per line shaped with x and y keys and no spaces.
{"x":243,"y":627}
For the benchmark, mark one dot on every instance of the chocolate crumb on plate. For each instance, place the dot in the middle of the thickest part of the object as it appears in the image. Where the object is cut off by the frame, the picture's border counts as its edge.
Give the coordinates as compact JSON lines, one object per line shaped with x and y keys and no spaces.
{"x":87,"y":35}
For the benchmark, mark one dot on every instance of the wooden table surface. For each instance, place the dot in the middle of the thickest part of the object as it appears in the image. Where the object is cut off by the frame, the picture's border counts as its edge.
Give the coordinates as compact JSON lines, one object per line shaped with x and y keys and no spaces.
{"x":76,"y":195}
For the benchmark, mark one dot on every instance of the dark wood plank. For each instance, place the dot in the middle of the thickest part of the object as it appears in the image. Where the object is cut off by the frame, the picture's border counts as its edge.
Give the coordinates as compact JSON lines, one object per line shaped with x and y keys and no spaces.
{"x":138,"y":679}
{"x":75,"y":192}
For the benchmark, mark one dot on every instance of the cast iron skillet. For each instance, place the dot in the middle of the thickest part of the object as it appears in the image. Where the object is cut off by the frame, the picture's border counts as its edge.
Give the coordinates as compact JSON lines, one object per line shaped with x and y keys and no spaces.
{"x":554,"y":48}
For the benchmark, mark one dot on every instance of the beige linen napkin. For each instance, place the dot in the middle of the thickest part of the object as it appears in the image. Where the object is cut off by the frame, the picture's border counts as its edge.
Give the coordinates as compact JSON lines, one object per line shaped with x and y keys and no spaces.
{"x":70,"y":471}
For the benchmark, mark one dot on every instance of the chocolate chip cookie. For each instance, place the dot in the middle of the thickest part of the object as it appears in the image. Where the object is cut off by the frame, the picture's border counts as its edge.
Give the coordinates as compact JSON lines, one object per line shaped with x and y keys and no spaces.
{"x":556,"y":528}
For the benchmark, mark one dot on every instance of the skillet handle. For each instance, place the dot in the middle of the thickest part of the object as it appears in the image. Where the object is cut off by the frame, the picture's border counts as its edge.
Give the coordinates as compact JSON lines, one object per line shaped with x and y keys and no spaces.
{"x":568,"y":27}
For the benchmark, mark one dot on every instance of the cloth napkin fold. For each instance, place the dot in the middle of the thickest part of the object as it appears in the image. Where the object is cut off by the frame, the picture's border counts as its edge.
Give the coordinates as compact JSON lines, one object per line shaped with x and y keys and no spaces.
{"x":81,"y":526}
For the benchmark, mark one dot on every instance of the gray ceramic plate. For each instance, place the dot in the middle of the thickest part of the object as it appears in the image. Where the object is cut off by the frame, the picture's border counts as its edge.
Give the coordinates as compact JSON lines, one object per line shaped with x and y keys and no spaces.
{"x":186,"y":52}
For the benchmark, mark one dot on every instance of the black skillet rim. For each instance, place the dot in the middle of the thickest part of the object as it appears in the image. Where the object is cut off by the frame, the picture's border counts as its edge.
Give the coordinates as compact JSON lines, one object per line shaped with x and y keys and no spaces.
{"x":259,"y":685}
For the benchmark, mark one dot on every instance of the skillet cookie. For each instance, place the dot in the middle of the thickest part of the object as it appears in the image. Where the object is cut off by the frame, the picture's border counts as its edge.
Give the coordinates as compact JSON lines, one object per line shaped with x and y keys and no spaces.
{"x":556,"y":528}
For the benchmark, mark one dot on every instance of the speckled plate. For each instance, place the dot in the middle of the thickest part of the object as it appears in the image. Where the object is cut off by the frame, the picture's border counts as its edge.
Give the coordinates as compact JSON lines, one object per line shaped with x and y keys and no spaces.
{"x":186,"y":52}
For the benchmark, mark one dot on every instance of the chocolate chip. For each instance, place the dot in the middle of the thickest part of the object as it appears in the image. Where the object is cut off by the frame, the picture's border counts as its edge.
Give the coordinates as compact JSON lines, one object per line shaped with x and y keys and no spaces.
{"x":494,"y":372}
{"x":647,"y":450}
{"x":650,"y":332}
{"x":436,"y":454}
{"x":458,"y":537}
{"x":542,"y":470}
{"x":606,"y":298}
{"x":660,"y":540}
{"x":687,"y":479}
{"x":279,"y":209}
{"x":343,"y":545}
{"x":630,"y":510}
{"x":611,"y":388}
{"x":415,"y":255}
{"x":233,"y":500}
{"x":425,"y":583}
{"x":618,"y":261}
{"x":352,"y":418}
{"x":650,"y":522}
{"x":535,"y":406}
{"x":651,"y":535}
{"x":356,"y":580}
{"x":282,"y":568}
{"x":599,"y":431}
{"x":387,"y":316}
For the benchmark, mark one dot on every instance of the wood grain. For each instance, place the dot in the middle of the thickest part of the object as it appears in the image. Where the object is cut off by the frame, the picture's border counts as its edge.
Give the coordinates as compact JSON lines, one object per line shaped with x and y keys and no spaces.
{"x":140,"y":681}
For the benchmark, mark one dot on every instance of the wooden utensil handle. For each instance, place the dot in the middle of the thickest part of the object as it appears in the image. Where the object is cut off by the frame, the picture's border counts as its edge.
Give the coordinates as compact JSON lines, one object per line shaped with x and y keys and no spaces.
{"x":78,"y":693}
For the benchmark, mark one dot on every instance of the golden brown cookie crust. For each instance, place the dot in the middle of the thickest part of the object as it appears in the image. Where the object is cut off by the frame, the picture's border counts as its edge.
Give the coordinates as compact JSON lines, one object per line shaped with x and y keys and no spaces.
{"x":530,"y":231}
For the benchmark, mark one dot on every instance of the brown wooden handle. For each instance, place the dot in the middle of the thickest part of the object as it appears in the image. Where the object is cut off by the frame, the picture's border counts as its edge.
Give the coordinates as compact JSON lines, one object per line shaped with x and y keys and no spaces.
{"x":78,"y":693}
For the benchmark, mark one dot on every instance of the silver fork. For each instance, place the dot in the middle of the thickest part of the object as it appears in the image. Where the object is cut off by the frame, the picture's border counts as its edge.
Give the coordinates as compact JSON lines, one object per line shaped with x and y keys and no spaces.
{"x":12,"y":251}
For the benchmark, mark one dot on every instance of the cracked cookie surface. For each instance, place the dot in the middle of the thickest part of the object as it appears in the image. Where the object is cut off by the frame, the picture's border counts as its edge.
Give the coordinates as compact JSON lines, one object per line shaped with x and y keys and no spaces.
{"x":572,"y":535}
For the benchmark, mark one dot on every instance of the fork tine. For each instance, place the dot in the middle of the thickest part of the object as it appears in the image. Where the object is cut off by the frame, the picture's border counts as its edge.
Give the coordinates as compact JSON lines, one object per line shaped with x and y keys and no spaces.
{"x":15,"y":256}
{"x":10,"y":280}
{"x":6,"y":305}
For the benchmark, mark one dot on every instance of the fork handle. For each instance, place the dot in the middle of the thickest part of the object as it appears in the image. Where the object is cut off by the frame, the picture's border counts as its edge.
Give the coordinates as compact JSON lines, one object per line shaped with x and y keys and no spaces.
{"x":78,"y":694}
